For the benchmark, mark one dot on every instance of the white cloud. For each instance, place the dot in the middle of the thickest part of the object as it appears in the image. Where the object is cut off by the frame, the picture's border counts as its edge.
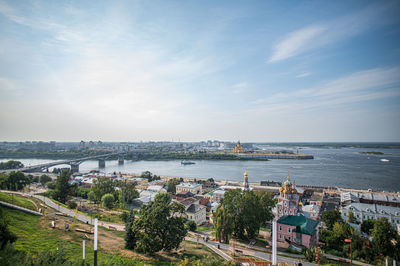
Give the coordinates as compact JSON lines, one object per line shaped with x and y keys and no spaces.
{"x":360,"y":86}
{"x":303,"y":75}
{"x":294,"y":42}
{"x":240,"y":87}
{"x":327,"y":32}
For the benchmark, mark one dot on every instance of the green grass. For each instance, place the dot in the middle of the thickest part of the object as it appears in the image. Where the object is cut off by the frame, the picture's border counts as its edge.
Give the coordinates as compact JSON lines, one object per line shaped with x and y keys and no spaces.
{"x":204,"y":229}
{"x":265,"y":229}
{"x":34,"y":237}
{"x":17,"y":200}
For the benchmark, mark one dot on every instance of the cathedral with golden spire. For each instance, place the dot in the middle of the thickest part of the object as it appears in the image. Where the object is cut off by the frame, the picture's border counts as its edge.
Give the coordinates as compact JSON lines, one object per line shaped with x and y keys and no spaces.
{"x":238,"y":148}
{"x":289,"y":200}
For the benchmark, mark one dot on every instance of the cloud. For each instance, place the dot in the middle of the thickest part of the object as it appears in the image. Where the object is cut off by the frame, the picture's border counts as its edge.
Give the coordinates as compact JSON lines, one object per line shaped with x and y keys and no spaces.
{"x":324,"y":33}
{"x":303,"y":75}
{"x":240,"y":87}
{"x":366,"y":85}
{"x":294,"y":42}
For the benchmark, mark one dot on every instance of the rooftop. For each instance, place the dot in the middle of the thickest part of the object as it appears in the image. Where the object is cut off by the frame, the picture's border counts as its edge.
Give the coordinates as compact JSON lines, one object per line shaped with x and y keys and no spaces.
{"x":373,"y":208}
{"x":303,"y":224}
{"x":189,"y":185}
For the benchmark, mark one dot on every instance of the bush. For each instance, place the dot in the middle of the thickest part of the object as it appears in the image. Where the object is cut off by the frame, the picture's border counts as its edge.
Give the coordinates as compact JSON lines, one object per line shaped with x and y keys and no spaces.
{"x":72,"y":204}
{"x":107,"y":200}
{"x":51,"y":185}
{"x":191,"y":225}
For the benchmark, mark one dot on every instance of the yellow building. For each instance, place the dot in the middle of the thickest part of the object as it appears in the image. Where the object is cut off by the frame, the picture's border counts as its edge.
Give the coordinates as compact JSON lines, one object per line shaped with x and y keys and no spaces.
{"x":238,"y":148}
{"x":189,"y":187}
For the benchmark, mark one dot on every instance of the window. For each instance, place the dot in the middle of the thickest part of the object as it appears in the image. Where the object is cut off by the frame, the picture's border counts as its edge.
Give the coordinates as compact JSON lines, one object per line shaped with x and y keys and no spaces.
{"x":280,"y":236}
{"x":289,"y":237}
{"x":288,"y":229}
{"x":280,"y":228}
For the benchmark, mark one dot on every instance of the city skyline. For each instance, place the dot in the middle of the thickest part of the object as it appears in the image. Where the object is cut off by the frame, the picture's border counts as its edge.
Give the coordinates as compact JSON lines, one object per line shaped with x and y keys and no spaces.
{"x":268,"y":71}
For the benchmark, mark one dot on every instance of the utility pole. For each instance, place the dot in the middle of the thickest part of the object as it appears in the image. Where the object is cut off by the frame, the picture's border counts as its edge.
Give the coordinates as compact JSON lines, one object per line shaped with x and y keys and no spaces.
{"x":83,"y":252}
{"x":350,"y":240}
{"x":95,"y":242}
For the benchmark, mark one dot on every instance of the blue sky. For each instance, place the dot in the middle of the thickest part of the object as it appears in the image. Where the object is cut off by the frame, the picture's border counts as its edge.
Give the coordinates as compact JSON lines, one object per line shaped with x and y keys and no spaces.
{"x":197,"y":70}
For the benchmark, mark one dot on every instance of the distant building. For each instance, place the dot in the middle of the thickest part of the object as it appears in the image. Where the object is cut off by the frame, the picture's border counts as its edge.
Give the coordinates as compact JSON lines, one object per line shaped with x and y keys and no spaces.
{"x":311,"y":211}
{"x":218,"y":195}
{"x":190,"y":187}
{"x":364,"y":211}
{"x":197,"y":213}
{"x":298,"y":229}
{"x":288,"y":200}
{"x":386,"y":199}
{"x":238,"y":148}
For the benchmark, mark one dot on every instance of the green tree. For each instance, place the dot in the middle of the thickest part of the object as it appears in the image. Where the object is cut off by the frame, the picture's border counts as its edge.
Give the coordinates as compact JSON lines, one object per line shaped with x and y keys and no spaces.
{"x":104,"y":185}
{"x":331,"y":217}
{"x":382,"y":236}
{"x":367,"y":226}
{"x":107,"y":200}
{"x":351,"y":218}
{"x":130,"y":236}
{"x":171,"y":185}
{"x":129,"y":191}
{"x":6,"y":236}
{"x":15,"y":181}
{"x":51,"y":185}
{"x":191,"y":225}
{"x":224,"y":223}
{"x":62,"y":186}
{"x":92,"y":196}
{"x":10,"y":165}
{"x":44,"y":179}
{"x":245,"y":212}
{"x":161,"y":225}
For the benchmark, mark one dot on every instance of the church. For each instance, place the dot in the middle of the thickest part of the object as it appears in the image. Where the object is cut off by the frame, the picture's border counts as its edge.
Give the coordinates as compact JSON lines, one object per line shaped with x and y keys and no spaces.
{"x":289,"y":200}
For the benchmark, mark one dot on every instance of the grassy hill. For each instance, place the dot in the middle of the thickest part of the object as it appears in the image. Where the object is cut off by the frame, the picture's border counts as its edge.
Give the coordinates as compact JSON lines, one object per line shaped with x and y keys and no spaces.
{"x":36,"y":235}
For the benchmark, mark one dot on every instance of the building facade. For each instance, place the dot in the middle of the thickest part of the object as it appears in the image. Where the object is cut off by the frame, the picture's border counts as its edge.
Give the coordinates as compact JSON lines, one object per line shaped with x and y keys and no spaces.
{"x":190,"y":187}
{"x":364,"y":211}
{"x":298,"y":229}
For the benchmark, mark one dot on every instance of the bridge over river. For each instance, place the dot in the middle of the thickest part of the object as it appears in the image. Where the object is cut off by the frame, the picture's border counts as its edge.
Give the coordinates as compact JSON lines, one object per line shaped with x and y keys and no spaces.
{"x":74,"y":163}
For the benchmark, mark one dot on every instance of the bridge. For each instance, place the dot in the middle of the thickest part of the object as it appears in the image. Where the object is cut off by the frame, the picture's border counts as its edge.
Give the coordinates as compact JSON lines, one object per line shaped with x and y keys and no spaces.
{"x":74,"y":163}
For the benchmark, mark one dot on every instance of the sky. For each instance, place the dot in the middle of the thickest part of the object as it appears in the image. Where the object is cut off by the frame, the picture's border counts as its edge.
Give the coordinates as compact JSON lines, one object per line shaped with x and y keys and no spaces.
{"x":254,"y":71}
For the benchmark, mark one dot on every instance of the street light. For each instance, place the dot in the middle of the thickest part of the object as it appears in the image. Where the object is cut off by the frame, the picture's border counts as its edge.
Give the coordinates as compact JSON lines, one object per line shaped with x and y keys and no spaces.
{"x":350,"y":240}
{"x":318,"y":254}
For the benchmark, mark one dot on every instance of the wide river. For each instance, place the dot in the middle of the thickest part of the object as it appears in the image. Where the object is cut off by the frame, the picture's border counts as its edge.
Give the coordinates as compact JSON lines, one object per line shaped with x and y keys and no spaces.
{"x":343,"y":167}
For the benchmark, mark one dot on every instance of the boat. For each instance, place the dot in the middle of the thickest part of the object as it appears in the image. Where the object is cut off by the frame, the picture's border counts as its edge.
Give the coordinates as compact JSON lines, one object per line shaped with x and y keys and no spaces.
{"x":385,"y":160}
{"x":187,"y":162}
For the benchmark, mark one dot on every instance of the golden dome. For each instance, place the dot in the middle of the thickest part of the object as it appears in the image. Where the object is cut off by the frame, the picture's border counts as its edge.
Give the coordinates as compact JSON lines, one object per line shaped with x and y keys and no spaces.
{"x":280,"y":189}
{"x":300,"y":204}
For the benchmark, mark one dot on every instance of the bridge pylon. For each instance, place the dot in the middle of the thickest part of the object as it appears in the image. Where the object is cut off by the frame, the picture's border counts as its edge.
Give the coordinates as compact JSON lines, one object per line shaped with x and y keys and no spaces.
{"x":121,"y":159}
{"x":74,"y":167}
{"x":102,"y":163}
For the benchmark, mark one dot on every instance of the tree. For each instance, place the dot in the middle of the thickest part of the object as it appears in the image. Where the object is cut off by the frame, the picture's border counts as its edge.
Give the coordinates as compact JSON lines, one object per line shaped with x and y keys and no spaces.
{"x":15,"y":181}
{"x":331,"y":217}
{"x":171,"y":185}
{"x":382,"y":235}
{"x":10,"y":165}
{"x":223,"y":224}
{"x":245,"y":212}
{"x":44,"y":179}
{"x":51,"y":185}
{"x":62,"y":186}
{"x":92,"y":196}
{"x":104,"y":185}
{"x":6,"y":236}
{"x":161,"y":225}
{"x":130,"y":236}
{"x":149,"y":176}
{"x":129,"y":192}
{"x":191,"y":225}
{"x":107,"y":200}
{"x":351,"y":218}
{"x":367,"y":226}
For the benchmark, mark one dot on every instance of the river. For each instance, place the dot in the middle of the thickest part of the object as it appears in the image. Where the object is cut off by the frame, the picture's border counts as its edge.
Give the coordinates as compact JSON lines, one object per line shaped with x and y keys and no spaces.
{"x":343,"y":167}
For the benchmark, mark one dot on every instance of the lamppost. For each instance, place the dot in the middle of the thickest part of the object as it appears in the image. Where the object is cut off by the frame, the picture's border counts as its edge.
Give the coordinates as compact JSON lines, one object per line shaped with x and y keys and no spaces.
{"x":350,"y":240}
{"x":318,"y":254}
